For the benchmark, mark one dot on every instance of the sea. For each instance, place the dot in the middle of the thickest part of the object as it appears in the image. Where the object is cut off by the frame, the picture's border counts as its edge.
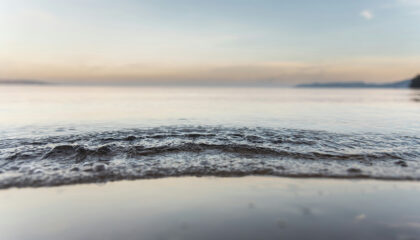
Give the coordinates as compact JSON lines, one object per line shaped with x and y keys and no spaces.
{"x":57,"y":135}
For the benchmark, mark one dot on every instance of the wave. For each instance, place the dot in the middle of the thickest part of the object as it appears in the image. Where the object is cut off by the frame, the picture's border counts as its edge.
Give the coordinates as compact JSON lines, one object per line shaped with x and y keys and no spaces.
{"x":205,"y":151}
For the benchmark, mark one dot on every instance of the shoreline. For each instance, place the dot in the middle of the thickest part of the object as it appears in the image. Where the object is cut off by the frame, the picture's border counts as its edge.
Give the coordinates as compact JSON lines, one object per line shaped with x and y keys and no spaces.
{"x":99,"y":181}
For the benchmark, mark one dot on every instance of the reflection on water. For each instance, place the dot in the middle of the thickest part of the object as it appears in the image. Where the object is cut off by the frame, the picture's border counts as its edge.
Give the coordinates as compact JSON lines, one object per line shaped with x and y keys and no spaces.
{"x":59,"y":110}
{"x":215,"y":208}
{"x":415,"y":95}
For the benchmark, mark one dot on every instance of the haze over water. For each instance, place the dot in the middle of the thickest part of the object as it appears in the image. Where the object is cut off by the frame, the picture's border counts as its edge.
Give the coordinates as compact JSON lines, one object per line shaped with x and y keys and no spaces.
{"x":58,"y":109}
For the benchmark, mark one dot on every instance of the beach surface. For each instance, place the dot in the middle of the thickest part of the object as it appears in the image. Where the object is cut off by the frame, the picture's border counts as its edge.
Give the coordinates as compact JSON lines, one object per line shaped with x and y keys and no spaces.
{"x":214,"y":208}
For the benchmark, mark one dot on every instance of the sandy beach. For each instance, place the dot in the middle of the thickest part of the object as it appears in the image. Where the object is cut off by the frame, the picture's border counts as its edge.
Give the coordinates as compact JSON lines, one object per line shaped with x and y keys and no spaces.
{"x":214,"y":208}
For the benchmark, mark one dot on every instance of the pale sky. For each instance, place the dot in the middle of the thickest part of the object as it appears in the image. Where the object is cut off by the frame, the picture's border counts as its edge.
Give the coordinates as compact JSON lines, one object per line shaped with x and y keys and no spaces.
{"x":244,"y":41}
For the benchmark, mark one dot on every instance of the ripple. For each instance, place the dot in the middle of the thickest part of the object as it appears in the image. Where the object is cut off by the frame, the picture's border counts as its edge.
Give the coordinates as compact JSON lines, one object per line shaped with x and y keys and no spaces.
{"x":205,"y":151}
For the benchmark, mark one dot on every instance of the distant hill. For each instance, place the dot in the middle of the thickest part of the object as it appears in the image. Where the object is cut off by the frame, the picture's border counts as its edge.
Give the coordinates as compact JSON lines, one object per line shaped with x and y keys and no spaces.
{"x":400,"y":84}
{"x":22,"y":82}
{"x":415,"y":83}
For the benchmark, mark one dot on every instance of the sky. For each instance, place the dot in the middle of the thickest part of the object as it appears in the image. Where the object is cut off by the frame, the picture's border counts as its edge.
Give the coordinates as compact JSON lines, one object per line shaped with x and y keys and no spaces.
{"x":217,"y":41}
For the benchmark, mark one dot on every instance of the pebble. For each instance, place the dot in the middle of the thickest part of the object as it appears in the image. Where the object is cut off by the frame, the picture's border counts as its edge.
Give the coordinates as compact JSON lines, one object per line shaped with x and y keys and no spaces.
{"x":99,"y":167}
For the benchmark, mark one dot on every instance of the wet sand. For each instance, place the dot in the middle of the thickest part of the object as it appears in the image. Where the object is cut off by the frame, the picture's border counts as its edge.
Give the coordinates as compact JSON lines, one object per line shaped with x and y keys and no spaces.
{"x":214,"y":208}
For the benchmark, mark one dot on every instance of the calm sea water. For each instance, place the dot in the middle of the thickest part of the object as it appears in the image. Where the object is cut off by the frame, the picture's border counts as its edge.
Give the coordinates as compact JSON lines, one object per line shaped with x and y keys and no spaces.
{"x":53,"y":135}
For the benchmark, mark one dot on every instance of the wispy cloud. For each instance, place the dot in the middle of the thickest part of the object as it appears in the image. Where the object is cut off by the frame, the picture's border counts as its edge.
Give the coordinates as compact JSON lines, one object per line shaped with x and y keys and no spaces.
{"x":366,"y":14}
{"x":413,"y":5}
{"x":409,"y":2}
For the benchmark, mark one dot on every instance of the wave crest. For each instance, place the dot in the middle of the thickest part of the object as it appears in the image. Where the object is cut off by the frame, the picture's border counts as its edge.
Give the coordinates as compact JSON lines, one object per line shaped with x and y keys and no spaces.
{"x":205,"y":151}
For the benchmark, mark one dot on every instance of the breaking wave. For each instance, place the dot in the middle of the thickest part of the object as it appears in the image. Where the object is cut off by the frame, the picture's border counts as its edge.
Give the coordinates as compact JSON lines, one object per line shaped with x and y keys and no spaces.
{"x":205,"y":151}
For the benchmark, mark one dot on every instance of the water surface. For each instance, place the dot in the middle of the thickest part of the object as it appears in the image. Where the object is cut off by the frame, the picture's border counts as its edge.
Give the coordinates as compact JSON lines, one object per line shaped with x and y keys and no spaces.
{"x":53,"y":135}
{"x":214,"y":208}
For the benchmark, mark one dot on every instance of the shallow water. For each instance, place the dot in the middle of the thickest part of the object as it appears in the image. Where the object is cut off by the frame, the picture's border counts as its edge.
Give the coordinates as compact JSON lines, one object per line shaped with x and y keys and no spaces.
{"x":214,"y":208}
{"x":53,"y":135}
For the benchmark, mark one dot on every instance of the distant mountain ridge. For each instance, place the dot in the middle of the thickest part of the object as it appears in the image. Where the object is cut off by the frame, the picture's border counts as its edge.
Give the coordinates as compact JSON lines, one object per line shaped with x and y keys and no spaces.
{"x":22,"y":82}
{"x":415,"y":83}
{"x":400,"y":84}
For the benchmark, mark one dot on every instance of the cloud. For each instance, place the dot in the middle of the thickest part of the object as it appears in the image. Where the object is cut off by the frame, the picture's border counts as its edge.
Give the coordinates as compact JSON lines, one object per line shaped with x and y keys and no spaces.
{"x":413,"y":5}
{"x":410,"y":2}
{"x":366,"y":14}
